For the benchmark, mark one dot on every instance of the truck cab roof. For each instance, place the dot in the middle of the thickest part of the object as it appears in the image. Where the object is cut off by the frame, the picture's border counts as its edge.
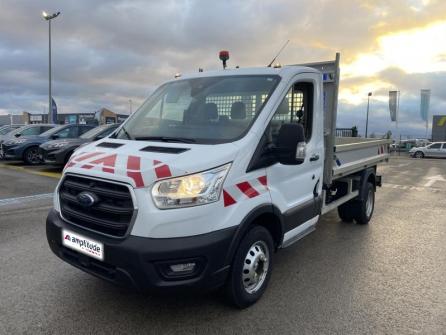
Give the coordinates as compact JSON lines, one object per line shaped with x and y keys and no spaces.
{"x":287,"y":71}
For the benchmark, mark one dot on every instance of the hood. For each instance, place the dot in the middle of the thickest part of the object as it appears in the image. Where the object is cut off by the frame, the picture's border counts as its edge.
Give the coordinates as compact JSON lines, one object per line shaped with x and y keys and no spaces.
{"x":141,"y":163}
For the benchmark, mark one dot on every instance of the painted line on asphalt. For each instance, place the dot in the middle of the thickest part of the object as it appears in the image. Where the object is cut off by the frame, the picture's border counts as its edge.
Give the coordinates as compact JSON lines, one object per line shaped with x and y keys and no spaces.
{"x":28,"y":198}
{"x":56,"y":175}
{"x":412,"y":188}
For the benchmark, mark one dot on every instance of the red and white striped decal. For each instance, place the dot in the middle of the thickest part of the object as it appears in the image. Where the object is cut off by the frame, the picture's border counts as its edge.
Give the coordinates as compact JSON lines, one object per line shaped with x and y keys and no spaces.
{"x":107,"y":163}
{"x":244,"y":190}
{"x":162,"y":170}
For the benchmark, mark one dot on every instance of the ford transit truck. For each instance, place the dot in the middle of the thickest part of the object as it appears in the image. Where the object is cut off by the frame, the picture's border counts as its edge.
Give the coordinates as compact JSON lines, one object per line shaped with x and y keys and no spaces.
{"x":210,"y":177}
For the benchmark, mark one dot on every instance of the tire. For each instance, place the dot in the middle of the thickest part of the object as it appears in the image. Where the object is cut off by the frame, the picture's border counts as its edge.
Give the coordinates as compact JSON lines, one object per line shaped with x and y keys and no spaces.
{"x":31,"y":156}
{"x":419,"y":154}
{"x":347,"y":211}
{"x":363,"y":209}
{"x":251,"y":268}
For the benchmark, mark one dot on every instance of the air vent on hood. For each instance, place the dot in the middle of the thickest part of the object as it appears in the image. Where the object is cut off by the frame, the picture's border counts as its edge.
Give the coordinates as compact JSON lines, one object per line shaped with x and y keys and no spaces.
{"x":110,"y":145}
{"x":165,"y":150}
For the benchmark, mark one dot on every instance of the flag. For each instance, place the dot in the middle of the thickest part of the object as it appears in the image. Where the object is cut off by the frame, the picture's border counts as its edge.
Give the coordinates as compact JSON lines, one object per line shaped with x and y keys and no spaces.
{"x":424,"y":104}
{"x":393,"y":104}
{"x":53,"y":111}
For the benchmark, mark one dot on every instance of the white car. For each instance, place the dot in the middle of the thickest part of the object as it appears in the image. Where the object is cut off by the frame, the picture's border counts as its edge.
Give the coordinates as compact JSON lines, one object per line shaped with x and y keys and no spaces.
{"x":436,"y":149}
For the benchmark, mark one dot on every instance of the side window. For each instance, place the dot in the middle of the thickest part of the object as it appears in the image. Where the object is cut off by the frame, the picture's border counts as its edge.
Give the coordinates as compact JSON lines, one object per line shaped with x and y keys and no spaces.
{"x":84,"y":130}
{"x":296,"y":107}
{"x":444,"y":146}
{"x":31,"y":131}
{"x":69,"y":132}
{"x":435,"y":146}
{"x":44,"y":129}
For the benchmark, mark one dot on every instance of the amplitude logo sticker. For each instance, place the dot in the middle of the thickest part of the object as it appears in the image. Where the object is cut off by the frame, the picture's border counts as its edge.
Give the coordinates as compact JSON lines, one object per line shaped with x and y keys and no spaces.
{"x":82,"y":244}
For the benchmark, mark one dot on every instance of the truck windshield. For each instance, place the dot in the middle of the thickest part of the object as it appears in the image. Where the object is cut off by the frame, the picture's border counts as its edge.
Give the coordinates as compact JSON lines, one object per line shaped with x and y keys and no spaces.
{"x":201,"y":110}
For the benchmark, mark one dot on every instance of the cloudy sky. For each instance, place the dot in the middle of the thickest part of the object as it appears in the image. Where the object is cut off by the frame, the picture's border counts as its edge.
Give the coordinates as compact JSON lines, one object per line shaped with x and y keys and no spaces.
{"x":106,"y":52}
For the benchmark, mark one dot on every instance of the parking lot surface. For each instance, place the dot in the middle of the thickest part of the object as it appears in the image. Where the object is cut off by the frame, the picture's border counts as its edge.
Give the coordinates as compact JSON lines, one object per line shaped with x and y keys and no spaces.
{"x":388,"y":277}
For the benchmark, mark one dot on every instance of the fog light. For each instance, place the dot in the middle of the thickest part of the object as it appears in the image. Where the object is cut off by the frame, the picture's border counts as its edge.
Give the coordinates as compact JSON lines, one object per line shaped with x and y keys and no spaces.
{"x":183,"y":268}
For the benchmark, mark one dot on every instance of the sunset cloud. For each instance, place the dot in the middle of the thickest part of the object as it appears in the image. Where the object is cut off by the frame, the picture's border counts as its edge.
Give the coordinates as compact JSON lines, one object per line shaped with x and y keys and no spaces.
{"x":106,"y":52}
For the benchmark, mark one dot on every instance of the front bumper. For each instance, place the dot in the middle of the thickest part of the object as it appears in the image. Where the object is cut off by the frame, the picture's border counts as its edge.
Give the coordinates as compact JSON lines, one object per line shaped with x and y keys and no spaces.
{"x":139,"y":262}
{"x":53,"y":156}
{"x":11,"y":151}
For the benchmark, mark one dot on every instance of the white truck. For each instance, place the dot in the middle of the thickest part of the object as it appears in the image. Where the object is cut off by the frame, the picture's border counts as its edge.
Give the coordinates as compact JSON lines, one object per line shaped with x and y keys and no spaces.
{"x":213,"y":174}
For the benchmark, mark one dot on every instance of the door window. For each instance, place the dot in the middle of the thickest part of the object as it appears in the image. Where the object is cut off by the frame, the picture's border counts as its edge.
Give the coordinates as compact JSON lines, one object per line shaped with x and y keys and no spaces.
{"x":83,"y":130}
{"x":69,"y":132}
{"x":31,"y":131}
{"x":435,"y":146}
{"x":296,"y":107}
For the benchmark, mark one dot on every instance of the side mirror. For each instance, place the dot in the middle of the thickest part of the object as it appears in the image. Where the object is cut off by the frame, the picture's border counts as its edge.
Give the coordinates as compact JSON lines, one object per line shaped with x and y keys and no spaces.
{"x":55,"y":136}
{"x":291,"y":145}
{"x":99,"y":137}
{"x":17,"y":135}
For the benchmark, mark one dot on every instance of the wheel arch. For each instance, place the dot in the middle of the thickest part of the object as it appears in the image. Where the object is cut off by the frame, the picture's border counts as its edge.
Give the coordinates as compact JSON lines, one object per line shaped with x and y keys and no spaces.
{"x":367,"y":176}
{"x":267,"y":216}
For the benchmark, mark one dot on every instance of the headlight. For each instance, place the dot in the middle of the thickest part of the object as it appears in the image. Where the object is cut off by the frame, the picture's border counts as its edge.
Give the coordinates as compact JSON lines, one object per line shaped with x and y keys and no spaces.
{"x":57,"y":145}
{"x":192,"y":190}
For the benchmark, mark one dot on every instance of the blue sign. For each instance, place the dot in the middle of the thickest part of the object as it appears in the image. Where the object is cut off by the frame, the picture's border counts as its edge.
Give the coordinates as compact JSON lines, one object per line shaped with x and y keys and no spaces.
{"x":53,"y":112}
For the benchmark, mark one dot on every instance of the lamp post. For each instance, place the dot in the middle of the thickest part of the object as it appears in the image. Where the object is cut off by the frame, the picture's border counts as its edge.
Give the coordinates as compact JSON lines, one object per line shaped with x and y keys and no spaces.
{"x":367,"y":120}
{"x":49,"y":17}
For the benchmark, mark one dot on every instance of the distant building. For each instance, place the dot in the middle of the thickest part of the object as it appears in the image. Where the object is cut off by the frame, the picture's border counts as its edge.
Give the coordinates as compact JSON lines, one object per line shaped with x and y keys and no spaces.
{"x":102,"y":116}
{"x":439,"y":128}
{"x":6,"y":119}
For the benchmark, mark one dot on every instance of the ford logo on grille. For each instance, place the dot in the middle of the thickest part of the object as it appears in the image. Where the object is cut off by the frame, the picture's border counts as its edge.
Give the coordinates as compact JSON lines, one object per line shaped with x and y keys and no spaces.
{"x":87,"y":199}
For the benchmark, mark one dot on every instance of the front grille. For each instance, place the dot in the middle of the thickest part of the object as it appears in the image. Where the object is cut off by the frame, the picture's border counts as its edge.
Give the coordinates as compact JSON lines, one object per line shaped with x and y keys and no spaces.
{"x":111,"y":213}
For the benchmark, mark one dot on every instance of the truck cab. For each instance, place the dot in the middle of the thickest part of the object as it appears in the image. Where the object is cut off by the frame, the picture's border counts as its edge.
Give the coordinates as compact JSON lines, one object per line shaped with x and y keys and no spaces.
{"x":212,"y":175}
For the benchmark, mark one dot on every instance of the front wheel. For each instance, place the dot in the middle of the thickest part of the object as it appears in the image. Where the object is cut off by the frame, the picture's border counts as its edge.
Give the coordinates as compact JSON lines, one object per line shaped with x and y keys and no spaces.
{"x":419,"y":154}
{"x":251,"y":268}
{"x":31,"y":156}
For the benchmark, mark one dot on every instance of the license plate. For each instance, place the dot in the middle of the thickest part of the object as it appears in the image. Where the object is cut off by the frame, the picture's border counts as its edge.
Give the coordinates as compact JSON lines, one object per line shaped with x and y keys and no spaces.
{"x":83,"y":244}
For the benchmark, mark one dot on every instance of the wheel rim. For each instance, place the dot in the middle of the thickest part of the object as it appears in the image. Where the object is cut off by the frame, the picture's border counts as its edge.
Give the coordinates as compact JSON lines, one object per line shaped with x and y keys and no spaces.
{"x":33,"y":156}
{"x":419,"y":155}
{"x":369,"y":204}
{"x":255,"y":267}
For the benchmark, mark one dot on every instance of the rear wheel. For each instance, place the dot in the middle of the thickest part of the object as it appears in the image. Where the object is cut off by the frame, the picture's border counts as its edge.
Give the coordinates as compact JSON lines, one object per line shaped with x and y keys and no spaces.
{"x":419,"y":154}
{"x":31,"y":156}
{"x":363,"y":210}
{"x":346,"y":211}
{"x":251,"y":268}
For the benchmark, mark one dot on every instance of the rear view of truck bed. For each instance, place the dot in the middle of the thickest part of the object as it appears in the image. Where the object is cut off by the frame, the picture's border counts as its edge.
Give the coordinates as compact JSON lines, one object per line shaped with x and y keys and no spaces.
{"x":352,"y":154}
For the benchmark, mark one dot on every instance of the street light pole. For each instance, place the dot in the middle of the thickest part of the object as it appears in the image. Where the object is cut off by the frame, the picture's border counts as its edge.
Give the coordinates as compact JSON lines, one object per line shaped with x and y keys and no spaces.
{"x":48,"y":18}
{"x":367,"y":120}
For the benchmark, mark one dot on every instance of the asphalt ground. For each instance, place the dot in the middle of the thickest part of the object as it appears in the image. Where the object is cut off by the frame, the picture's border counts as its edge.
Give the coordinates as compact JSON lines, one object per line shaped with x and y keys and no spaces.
{"x":385,"y":278}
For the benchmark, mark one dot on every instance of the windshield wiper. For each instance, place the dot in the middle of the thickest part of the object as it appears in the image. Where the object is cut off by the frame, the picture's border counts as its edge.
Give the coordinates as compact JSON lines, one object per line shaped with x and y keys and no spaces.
{"x":166,"y":139}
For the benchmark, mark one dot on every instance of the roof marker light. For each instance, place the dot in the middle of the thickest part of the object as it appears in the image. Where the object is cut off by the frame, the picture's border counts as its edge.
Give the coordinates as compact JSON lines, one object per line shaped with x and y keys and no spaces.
{"x":224,"y":56}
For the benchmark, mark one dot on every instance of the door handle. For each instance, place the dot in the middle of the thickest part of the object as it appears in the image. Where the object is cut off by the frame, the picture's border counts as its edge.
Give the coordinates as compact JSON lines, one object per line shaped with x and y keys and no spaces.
{"x":314,"y":157}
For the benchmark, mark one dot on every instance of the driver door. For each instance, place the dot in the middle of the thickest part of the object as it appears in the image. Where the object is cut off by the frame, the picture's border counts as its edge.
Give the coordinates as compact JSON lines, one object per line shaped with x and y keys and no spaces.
{"x":296,"y":189}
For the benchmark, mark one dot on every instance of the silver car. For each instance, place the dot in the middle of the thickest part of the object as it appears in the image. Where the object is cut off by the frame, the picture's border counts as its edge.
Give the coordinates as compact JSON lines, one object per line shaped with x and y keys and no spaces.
{"x":436,"y":149}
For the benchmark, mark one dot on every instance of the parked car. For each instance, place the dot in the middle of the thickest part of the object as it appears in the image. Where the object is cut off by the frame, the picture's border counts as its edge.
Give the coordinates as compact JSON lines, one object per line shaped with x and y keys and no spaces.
{"x":436,"y":149}
{"x":26,"y":130}
{"x":26,"y":148}
{"x":29,"y":130}
{"x":5,"y":130}
{"x":58,"y":152}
